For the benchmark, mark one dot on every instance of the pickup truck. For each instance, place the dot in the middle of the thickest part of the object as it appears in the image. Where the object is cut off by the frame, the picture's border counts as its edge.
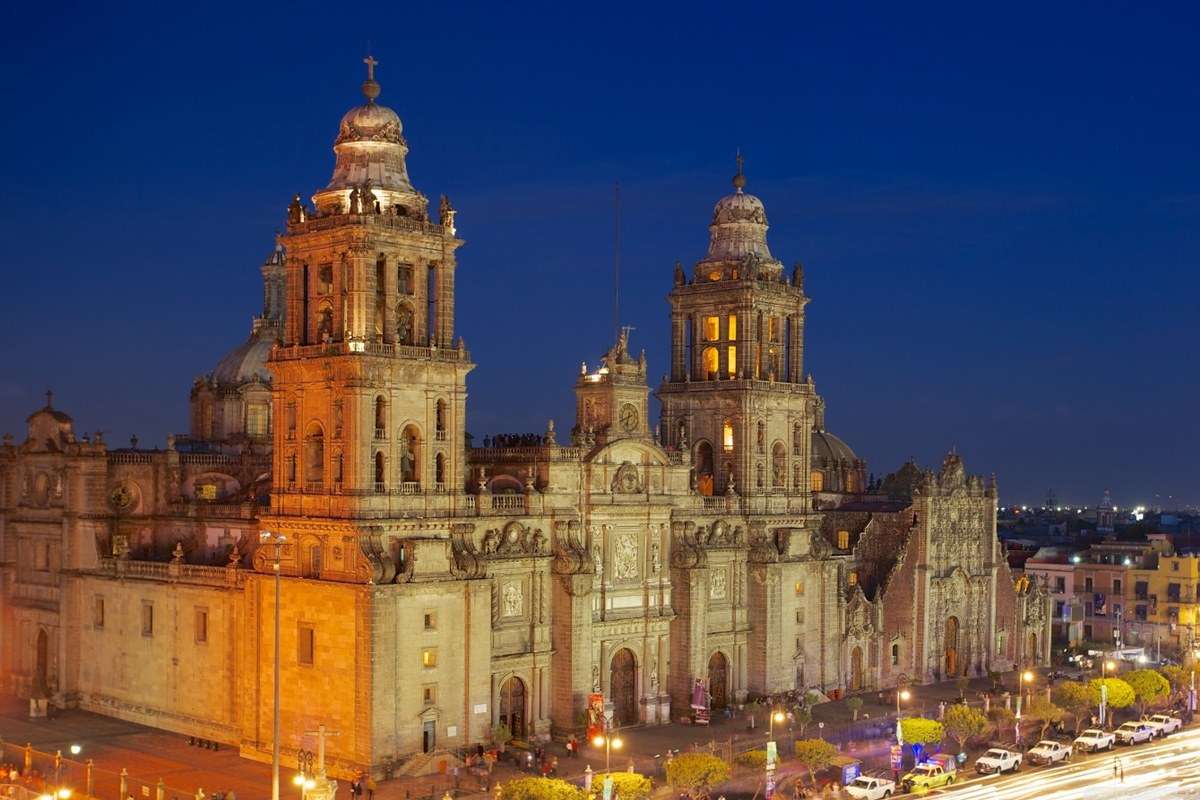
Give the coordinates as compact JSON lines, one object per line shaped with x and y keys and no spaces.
{"x":1049,"y":751}
{"x":1134,"y":733}
{"x":1163,"y":724}
{"x":865,"y":787}
{"x":1094,"y":739}
{"x":997,"y":759}
{"x":927,"y":776}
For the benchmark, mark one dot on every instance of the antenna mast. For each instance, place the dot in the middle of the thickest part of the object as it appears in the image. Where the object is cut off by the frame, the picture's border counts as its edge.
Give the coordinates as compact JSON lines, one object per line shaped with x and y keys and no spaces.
{"x":617,"y":259}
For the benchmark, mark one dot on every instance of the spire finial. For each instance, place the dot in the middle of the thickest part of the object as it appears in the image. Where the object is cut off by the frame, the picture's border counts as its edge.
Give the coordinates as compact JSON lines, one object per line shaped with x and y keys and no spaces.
{"x":370,"y":87}
{"x":49,"y":398}
{"x":739,"y":180}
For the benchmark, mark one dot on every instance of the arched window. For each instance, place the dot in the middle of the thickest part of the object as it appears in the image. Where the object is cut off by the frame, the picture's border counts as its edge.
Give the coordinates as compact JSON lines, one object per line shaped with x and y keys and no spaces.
{"x":410,"y":455}
{"x":817,"y":481}
{"x":732,"y":360}
{"x":797,"y":439}
{"x":711,"y":363}
{"x":704,"y":468}
{"x":439,"y":469}
{"x":404,"y":324}
{"x":380,"y":472}
{"x":779,"y":466}
{"x":759,"y":476}
{"x":727,"y":435}
{"x":712,"y":329}
{"x":325,"y":324}
{"x":895,"y":654}
{"x":314,"y":457}
{"x":380,"y":417}
{"x":439,"y":419}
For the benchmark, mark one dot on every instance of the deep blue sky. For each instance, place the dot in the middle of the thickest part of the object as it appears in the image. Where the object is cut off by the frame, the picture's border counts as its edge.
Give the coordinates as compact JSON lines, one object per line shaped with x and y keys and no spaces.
{"x":997,"y":210}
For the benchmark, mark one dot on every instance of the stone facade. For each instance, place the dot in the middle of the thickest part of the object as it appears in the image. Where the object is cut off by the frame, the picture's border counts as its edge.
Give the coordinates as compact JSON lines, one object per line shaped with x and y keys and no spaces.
{"x":432,"y":590}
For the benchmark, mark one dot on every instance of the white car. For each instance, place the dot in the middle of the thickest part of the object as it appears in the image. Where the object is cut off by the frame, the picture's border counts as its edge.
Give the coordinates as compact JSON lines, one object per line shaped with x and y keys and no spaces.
{"x":1094,"y":739}
{"x":865,"y":787}
{"x":997,"y":760}
{"x":1048,"y":751}
{"x":1134,"y":733}
{"x":1163,"y":724}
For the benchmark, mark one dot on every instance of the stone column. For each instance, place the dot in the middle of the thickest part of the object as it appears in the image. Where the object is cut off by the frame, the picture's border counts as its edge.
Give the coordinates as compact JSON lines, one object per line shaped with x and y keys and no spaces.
{"x":391,"y":296}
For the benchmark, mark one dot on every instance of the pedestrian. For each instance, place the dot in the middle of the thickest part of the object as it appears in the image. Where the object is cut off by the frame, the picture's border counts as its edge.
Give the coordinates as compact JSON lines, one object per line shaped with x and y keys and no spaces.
{"x":371,"y":786}
{"x":1116,"y":767}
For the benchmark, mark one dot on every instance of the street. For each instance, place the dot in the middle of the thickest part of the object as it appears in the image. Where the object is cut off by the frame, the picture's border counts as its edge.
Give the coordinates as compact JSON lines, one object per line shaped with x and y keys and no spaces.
{"x":1159,"y":771}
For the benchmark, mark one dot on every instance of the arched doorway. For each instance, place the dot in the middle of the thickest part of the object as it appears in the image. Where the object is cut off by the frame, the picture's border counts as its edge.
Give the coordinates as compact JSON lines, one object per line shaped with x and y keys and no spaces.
{"x":512,"y":706}
{"x":718,"y":680}
{"x":951,"y":644}
{"x":856,"y":670}
{"x":41,"y":665}
{"x":1032,"y":655}
{"x":623,"y":687}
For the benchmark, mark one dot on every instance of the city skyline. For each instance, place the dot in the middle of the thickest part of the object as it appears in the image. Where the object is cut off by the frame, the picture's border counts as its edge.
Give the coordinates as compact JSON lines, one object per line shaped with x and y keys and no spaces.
{"x":940,"y":265}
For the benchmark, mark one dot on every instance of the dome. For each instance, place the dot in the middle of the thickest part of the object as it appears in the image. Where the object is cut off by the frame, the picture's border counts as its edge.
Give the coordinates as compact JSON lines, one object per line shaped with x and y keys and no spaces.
{"x":248,"y":361}
{"x":829,"y":449}
{"x":370,"y":123}
{"x":738,"y":238}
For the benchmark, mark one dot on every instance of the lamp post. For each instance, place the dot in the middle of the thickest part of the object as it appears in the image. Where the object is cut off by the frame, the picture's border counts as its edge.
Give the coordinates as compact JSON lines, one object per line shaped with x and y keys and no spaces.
{"x":776,"y":716}
{"x":1026,"y":677}
{"x":277,"y":539}
{"x":901,"y":695}
{"x":609,"y":740}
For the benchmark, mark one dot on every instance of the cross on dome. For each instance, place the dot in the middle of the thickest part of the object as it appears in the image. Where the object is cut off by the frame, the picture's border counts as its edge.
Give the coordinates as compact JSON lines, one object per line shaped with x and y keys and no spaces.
{"x":739,"y":180}
{"x":370,"y":62}
{"x":370,"y":87}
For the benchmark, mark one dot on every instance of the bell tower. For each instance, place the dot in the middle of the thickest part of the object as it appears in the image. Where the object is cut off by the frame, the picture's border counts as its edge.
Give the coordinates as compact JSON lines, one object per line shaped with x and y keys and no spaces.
{"x":737,"y":398}
{"x":611,"y":403}
{"x":369,"y":381}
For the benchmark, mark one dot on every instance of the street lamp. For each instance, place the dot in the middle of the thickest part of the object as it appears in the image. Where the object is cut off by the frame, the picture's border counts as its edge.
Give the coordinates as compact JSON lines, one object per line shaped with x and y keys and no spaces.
{"x":776,"y":716}
{"x":609,"y":740}
{"x":903,"y":694}
{"x":304,"y":783}
{"x":277,"y":539}
{"x":76,"y":749}
{"x":1026,"y":677}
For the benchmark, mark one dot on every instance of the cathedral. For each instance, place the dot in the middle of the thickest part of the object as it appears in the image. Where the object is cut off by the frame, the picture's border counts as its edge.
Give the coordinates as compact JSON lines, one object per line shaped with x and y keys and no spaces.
{"x":434,"y":590}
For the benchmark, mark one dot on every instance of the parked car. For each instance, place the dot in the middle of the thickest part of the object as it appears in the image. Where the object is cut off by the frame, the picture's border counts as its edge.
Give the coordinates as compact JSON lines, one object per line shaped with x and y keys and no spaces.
{"x":1094,"y":739}
{"x":997,"y":759}
{"x":1134,"y":733}
{"x":864,"y":787}
{"x":1163,"y":724}
{"x":928,"y":775}
{"x":1048,"y":751}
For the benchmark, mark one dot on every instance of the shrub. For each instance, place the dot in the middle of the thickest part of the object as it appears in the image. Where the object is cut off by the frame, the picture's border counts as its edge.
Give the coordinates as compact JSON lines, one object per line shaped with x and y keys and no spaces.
{"x":855,"y":705}
{"x":919,"y":730}
{"x":626,"y":785}
{"x":540,"y":789}
{"x":695,"y":773}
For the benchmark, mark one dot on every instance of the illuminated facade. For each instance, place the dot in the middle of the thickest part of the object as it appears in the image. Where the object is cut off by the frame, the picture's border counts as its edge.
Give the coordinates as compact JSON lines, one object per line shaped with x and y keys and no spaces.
{"x":434,"y":590}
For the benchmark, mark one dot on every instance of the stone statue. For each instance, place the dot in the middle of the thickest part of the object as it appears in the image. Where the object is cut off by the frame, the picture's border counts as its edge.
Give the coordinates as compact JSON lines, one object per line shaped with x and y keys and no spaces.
{"x":597,"y":560}
{"x":408,"y":461}
{"x":539,"y":542}
{"x":680,"y":278}
{"x":490,"y":540}
{"x":655,"y":560}
{"x":355,"y":204}
{"x":446,"y":214}
{"x":550,"y":440}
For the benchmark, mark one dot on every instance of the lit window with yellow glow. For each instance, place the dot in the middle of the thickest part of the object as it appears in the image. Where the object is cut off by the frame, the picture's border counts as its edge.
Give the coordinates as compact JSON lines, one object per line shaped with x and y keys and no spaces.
{"x":732,"y":327}
{"x":853,"y":578}
{"x":429,"y":658}
{"x":843,"y":540}
{"x":727,"y":435}
{"x":817,"y":481}
{"x":712,"y":362}
{"x":732,"y":361}
{"x":712,"y":329}
{"x":799,"y":588}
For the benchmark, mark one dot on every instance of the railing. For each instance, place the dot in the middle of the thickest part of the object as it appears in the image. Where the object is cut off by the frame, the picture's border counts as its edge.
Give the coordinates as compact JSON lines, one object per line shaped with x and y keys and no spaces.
{"x":292,"y":352}
{"x":508,"y":502}
{"x":439,"y":436}
{"x":380,"y":487}
{"x":409,"y":487}
{"x":380,"y":433}
{"x":130,"y":458}
{"x":330,"y":221}
{"x":526,"y":453}
{"x":314,"y":485}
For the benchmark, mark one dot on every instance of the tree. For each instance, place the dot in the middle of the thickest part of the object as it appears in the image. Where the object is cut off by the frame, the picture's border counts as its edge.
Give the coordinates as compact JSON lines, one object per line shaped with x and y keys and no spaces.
{"x":814,"y":755}
{"x":962,"y":723}
{"x":1002,"y":721}
{"x":1148,"y":687}
{"x":918,"y":730}
{"x":1044,"y":712}
{"x":696,"y":773}
{"x":1178,"y":677}
{"x":541,"y":789}
{"x":1120,"y":693}
{"x":803,"y":716}
{"x":855,"y":705}
{"x":1077,"y":699}
{"x":626,"y":785}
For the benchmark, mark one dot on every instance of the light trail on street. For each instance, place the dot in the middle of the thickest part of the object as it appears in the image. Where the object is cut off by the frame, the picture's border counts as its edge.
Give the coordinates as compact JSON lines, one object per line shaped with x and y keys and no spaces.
{"x":1160,"y":771}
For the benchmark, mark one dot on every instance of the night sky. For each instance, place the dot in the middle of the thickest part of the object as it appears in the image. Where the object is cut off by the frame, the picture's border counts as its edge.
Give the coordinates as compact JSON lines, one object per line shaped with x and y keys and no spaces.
{"x":997,"y":213}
